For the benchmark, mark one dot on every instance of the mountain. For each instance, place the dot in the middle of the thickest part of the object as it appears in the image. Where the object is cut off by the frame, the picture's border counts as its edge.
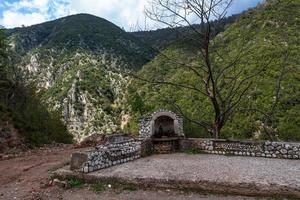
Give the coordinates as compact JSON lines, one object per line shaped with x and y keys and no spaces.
{"x":268,"y":36}
{"x":24,"y":120}
{"x":162,"y":38}
{"x":82,"y":31}
{"x":77,"y":64}
{"x":74,"y":63}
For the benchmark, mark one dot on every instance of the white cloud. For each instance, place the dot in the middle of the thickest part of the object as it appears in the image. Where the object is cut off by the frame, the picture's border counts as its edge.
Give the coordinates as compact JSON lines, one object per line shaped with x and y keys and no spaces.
{"x":41,"y":5}
{"x":59,"y":8}
{"x":124,"y":13}
{"x":27,"y":12}
{"x":24,"y":12}
{"x":15,"y":19}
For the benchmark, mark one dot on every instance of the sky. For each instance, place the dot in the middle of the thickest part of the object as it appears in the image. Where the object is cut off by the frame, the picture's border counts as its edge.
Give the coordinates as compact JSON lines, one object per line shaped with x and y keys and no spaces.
{"x":128,"y":14}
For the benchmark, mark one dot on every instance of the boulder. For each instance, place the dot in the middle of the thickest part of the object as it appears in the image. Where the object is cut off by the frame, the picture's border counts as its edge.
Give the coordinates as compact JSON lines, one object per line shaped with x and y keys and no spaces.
{"x":78,"y":159}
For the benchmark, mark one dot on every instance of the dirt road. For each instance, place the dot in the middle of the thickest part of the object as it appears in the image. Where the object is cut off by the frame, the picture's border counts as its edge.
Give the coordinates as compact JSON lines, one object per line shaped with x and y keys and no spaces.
{"x":23,"y":177}
{"x":27,"y":178}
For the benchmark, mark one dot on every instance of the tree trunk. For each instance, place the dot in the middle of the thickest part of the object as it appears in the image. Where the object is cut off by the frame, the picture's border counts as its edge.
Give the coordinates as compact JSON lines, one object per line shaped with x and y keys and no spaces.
{"x":216,"y":131}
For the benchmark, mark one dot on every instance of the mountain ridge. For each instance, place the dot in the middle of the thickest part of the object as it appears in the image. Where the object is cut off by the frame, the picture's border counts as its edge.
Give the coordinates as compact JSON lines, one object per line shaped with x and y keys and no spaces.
{"x":74,"y":62}
{"x":77,"y":63}
{"x":81,"y":30}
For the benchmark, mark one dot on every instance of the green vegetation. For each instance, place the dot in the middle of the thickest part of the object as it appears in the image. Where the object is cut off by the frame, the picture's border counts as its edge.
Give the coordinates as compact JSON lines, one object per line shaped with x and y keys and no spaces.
{"x":75,"y":62}
{"x":268,"y":36}
{"x":75,"y":182}
{"x":21,"y":106}
{"x":161,"y":38}
{"x":34,"y":122}
{"x":99,"y":187}
{"x":3,"y":56}
{"x":86,"y":32}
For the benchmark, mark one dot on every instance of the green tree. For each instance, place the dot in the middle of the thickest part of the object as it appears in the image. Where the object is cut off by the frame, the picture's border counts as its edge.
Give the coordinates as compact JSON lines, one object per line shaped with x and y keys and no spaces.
{"x":22,"y":107}
{"x":3,"y":55}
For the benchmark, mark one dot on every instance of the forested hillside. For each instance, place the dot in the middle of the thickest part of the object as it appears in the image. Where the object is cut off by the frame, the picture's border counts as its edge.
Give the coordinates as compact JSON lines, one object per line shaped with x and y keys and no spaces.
{"x":162,"y":38}
{"x":267,"y":39}
{"x":77,"y":65}
{"x":24,"y":120}
{"x":74,"y":63}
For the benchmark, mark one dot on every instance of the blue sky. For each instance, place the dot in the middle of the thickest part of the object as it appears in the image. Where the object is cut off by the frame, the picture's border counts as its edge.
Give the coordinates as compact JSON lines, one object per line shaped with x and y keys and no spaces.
{"x":124,"y":13}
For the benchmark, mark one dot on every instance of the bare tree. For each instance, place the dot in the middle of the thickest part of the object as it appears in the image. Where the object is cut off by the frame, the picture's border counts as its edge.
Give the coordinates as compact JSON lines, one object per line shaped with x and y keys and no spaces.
{"x":224,"y":85}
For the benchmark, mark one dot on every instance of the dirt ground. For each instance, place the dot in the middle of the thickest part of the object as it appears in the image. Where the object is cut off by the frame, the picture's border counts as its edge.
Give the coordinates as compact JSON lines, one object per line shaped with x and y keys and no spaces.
{"x":27,"y":178}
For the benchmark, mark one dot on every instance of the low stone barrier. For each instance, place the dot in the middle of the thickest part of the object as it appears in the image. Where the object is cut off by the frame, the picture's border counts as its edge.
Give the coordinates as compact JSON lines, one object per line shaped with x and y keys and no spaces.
{"x":107,"y":155}
{"x":267,"y":149}
{"x":125,"y":150}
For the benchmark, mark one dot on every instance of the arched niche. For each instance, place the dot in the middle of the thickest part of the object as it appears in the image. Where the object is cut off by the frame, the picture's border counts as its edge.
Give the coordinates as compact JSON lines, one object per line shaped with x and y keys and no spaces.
{"x":164,"y":124}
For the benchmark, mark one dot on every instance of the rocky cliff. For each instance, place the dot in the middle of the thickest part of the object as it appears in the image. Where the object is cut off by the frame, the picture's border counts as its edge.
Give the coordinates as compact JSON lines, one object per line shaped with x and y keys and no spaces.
{"x":75,"y":62}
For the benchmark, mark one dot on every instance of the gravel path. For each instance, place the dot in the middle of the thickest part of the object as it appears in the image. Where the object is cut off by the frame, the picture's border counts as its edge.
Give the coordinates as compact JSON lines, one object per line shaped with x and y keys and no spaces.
{"x":27,"y":178}
{"x":212,"y":168}
{"x":241,"y":175}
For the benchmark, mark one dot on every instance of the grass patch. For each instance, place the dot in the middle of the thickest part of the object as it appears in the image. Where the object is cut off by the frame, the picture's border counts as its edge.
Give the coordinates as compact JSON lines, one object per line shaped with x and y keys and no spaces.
{"x":75,"y":182}
{"x":99,"y":187}
{"x":193,"y":151}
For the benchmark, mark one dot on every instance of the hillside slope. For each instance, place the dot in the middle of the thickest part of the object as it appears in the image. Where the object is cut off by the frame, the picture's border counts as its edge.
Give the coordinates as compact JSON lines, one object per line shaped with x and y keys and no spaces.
{"x":269,"y":36}
{"x":162,"y":38}
{"x":73,"y":62}
{"x":24,"y":120}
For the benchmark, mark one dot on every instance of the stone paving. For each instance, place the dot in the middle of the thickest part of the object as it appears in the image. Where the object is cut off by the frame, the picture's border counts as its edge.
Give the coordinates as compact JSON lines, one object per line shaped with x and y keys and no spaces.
{"x":213,"y":173}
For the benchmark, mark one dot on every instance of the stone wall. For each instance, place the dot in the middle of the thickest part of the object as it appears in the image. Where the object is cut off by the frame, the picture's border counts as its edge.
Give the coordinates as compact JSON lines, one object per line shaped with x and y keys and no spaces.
{"x":146,"y":148}
{"x":244,"y":148}
{"x":162,"y":146}
{"x":107,"y":155}
{"x":146,"y":123}
{"x":145,"y":131}
{"x":122,"y":151}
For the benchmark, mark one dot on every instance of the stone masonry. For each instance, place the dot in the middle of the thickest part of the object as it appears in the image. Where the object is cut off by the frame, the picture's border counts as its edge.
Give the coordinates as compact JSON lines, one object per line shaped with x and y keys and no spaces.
{"x":107,"y":155}
{"x":147,"y":123}
{"x":111,"y":154}
{"x":121,"y":149}
{"x":244,"y":148}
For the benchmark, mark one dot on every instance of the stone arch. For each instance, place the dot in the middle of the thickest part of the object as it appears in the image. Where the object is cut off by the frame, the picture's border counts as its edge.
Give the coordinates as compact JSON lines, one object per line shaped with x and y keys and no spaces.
{"x":164,"y":113}
{"x":147,"y":123}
